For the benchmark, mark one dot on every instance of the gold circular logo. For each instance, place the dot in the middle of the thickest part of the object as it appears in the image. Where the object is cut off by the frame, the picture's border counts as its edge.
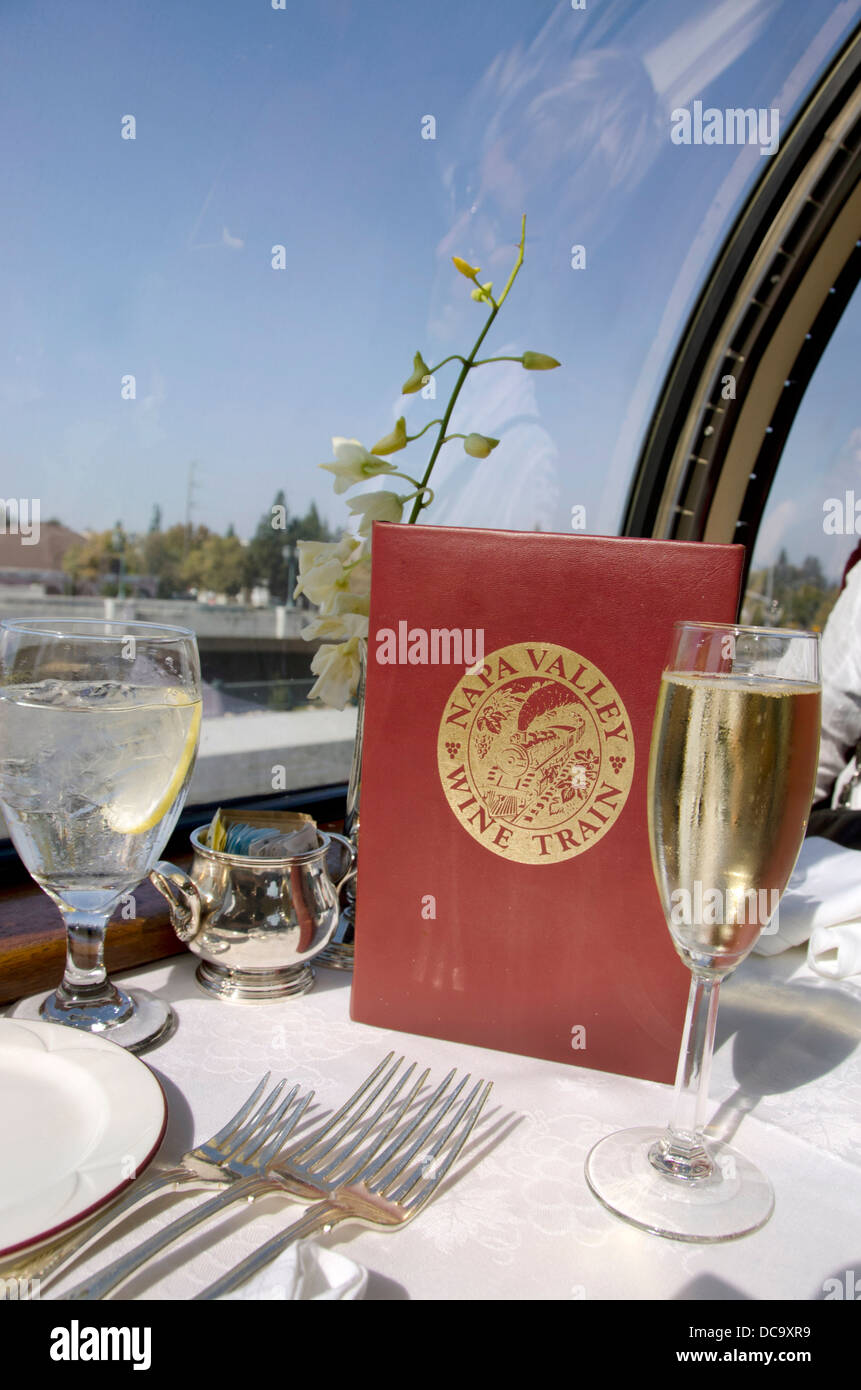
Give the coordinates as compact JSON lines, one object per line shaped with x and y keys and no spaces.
{"x":536,"y":753}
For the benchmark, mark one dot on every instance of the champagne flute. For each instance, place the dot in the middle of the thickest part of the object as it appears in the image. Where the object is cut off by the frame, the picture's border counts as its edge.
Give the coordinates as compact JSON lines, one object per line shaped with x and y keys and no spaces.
{"x":732,"y":771}
{"x":99,"y":724}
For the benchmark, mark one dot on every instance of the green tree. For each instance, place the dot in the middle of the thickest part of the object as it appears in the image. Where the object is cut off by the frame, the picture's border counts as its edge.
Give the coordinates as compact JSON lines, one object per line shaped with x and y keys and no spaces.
{"x":267,"y":558}
{"x":310,"y":527}
{"x":165,"y":554}
{"x":96,"y":560}
{"x":803,"y":593}
{"x":216,"y":563}
{"x":264,"y":559}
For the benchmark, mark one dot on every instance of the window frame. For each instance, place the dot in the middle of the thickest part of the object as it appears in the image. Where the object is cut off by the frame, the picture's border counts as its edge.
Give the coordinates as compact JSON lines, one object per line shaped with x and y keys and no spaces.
{"x":765,"y":315}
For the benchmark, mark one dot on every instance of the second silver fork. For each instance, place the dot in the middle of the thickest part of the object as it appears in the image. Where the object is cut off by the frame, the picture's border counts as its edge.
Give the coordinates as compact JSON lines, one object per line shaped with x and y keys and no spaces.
{"x":318,"y":1167}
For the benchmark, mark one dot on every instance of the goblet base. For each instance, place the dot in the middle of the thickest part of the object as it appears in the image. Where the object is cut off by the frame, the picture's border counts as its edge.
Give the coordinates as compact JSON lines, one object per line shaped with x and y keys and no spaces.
{"x":733,"y":1201}
{"x":147,"y":1021}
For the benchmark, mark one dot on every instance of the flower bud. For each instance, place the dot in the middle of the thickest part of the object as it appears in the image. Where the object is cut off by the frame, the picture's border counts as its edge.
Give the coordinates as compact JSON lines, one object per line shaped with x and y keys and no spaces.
{"x":420,"y":374}
{"x":394,"y":441}
{"x":465,"y":268}
{"x":539,"y":362}
{"x":478,"y":446}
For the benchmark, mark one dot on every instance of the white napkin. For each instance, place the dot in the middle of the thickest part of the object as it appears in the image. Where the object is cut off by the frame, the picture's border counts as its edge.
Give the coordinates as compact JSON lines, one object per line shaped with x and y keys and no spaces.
{"x":303,"y":1272}
{"x":822,"y":905}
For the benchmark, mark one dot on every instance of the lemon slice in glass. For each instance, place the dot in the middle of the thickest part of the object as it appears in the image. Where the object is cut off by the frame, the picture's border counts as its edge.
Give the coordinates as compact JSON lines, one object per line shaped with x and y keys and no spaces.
{"x":160,"y":748}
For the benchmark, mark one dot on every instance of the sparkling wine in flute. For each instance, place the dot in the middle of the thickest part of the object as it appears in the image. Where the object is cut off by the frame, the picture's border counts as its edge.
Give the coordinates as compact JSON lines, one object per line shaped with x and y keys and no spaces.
{"x":732,"y":765}
{"x":732,"y":770}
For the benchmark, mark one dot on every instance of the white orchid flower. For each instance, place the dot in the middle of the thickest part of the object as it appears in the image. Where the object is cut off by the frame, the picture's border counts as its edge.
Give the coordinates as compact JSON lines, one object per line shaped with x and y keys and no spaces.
{"x":344,"y":602}
{"x":359,"y":577}
{"x":347,"y":549}
{"x":320,"y":580}
{"x":337,"y":670}
{"x":337,"y":627}
{"x":322,"y":568}
{"x":354,"y":464}
{"x":376,"y":506}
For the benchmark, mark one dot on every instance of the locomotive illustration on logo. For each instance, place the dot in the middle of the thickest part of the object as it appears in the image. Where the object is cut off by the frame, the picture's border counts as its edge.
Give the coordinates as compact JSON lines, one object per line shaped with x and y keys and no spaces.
{"x":541,"y":751}
{"x":536,"y":753}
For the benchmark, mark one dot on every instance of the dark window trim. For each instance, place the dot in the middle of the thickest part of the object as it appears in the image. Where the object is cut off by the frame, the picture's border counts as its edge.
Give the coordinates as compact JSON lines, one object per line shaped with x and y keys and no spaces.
{"x":731,"y":326}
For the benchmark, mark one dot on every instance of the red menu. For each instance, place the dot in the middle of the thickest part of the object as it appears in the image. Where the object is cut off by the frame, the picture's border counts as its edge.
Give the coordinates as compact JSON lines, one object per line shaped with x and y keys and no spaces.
{"x":505,"y":891}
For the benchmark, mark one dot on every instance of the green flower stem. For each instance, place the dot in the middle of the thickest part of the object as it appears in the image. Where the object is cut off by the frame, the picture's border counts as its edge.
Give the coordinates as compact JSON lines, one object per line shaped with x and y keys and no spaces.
{"x":468,"y":362}
{"x":455,"y":357}
{"x":483,"y":361}
{"x":517,"y":264}
{"x":419,"y":495}
{"x":406,"y":477}
{"x":411,"y":437}
{"x":462,"y":375}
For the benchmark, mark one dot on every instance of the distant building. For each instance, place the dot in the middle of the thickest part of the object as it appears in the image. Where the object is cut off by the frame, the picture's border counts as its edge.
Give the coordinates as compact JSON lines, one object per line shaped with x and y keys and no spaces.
{"x":37,"y":567}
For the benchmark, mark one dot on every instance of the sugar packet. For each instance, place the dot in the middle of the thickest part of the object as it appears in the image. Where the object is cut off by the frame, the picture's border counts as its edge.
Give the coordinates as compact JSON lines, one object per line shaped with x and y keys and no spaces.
{"x":262,"y":834}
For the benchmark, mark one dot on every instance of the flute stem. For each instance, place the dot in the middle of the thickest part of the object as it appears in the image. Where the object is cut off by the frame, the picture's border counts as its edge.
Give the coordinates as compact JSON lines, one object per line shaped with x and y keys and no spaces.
{"x":682,"y":1152}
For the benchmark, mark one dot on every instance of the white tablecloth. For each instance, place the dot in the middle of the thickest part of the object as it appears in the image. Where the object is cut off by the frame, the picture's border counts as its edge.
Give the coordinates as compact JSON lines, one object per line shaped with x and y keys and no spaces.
{"x":519,"y":1221}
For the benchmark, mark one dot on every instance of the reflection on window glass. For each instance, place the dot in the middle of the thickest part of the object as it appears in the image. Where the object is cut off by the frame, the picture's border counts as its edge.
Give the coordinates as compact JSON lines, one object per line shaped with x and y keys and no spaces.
{"x":812,"y":524}
{"x":228,"y":228}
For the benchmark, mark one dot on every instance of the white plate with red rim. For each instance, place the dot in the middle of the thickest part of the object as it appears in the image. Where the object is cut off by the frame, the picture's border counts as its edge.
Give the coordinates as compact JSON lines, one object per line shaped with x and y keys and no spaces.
{"x":81,"y":1119}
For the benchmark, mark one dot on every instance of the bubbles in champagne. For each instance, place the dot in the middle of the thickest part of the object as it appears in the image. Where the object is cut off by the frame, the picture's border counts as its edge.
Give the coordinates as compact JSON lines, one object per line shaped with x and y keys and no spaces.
{"x":731,"y":779}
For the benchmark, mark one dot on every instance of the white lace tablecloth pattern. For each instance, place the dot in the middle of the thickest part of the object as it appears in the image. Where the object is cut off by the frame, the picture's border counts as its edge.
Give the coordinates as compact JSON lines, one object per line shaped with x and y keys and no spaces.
{"x":518,"y":1221}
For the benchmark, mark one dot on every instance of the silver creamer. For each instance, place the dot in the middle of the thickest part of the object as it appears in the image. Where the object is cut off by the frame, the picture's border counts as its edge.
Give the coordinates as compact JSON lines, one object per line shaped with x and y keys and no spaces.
{"x":256,"y":923}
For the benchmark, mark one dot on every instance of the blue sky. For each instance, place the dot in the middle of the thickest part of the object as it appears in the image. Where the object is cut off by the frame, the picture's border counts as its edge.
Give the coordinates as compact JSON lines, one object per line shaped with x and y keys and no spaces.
{"x":302,"y":127}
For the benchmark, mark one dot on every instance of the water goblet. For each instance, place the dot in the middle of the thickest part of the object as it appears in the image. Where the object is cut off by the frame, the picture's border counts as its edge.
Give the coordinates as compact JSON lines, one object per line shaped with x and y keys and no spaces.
{"x":99,"y":725}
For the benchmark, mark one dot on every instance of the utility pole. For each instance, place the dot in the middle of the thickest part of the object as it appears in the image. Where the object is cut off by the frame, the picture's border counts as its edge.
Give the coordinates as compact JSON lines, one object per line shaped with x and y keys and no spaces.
{"x":118,"y":542}
{"x":189,"y":502}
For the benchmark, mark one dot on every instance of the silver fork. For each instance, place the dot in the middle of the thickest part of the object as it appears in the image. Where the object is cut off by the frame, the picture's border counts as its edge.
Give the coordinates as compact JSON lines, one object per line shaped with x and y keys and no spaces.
{"x":317,"y":1166}
{"x":207,"y":1165}
{"x":305,"y":1176}
{"x":377,"y":1194}
{"x":252,"y":1160}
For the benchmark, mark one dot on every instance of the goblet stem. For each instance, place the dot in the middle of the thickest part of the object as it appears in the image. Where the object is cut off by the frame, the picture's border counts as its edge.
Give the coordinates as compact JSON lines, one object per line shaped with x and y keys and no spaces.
{"x":85,"y":950}
{"x":85,"y":997}
{"x":682,"y":1153}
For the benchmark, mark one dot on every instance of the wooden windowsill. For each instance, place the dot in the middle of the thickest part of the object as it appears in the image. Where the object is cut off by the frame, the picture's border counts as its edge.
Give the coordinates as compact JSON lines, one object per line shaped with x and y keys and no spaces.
{"x":33,"y":939}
